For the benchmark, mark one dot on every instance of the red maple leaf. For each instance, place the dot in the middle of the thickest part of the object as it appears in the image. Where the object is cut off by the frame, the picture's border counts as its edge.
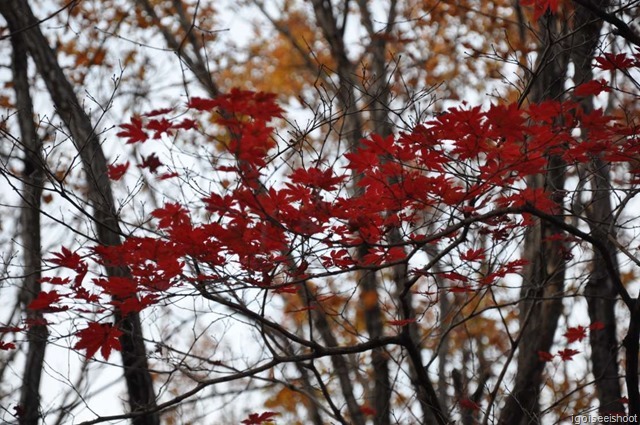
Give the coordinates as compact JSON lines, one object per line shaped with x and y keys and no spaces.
{"x":593,"y":87}
{"x":202,"y":104}
{"x":120,"y":287}
{"x":133,"y":304}
{"x":541,"y":7}
{"x":10,"y":329}
{"x":567,"y":354}
{"x":160,"y":126}
{"x":44,"y":302}
{"x":116,"y":171}
{"x":257,"y":419}
{"x":71,"y":260}
{"x":473,"y":255}
{"x":157,"y":112}
{"x":55,"y":280}
{"x":614,"y":61}
{"x":97,"y":336}
{"x":186,"y":124}
{"x":171,"y":215}
{"x":575,"y":334}
{"x":459,"y":289}
{"x":133,"y":132}
{"x":151,"y":162}
{"x":469,"y":404}
{"x":167,"y":176}
{"x":7,"y":345}
{"x":545,"y":356}
{"x":401,"y":322}
{"x":314,"y":177}
{"x":368,"y":410}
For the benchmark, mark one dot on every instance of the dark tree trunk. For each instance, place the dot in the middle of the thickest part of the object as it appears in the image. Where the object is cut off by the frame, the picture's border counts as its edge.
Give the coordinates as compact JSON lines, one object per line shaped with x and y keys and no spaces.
{"x":33,"y":173}
{"x":600,"y":291}
{"x":544,"y":276}
{"x":21,"y":20}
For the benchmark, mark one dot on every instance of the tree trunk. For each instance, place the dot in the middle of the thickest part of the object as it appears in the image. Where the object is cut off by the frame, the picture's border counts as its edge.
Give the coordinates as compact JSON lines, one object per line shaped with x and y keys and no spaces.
{"x":30,"y":219}
{"x":21,"y":20}
{"x":353,"y":132}
{"x":600,"y":291}
{"x":544,"y":276}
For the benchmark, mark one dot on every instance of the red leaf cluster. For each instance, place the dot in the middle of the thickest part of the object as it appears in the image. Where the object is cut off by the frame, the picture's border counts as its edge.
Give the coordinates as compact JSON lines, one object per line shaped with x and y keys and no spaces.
{"x":467,"y":166}
{"x":246,"y":115}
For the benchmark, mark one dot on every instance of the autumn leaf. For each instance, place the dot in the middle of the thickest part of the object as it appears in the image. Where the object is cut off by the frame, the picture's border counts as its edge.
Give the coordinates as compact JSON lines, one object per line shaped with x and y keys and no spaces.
{"x":159,"y":127}
{"x":70,"y":260}
{"x":544,"y":356}
{"x":593,"y":87}
{"x":121,"y":287}
{"x":367,"y":410}
{"x":167,"y":176}
{"x":541,"y":7}
{"x":43,"y":302}
{"x":134,"y":304}
{"x":596,"y":326}
{"x":612,"y":61}
{"x":459,"y":289}
{"x":151,"y":162}
{"x":314,"y":177}
{"x":262,"y":418}
{"x":171,"y":215}
{"x":133,"y":132}
{"x":401,"y":322}
{"x":468,"y":404}
{"x":186,"y":124}
{"x":575,"y":334}
{"x":55,"y":280}
{"x":157,"y":112}
{"x":7,"y":346}
{"x":116,"y":171}
{"x":97,"y":336}
{"x":473,"y":255}
{"x":567,"y":354}
{"x":202,"y":104}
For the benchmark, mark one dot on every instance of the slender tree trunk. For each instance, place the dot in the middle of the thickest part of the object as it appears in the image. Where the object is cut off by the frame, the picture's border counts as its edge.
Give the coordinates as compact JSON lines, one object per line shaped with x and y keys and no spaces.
{"x":30,"y":217}
{"x":544,"y":276}
{"x":353,"y":131}
{"x":21,"y":20}
{"x":600,"y":291}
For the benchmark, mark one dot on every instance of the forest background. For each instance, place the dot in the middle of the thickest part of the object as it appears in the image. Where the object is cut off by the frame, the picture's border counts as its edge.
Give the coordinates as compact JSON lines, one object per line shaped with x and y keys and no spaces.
{"x":346,"y":212}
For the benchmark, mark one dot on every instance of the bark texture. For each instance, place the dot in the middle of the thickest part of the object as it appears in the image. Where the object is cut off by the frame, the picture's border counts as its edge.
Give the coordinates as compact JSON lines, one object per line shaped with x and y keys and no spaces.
{"x":600,"y":292}
{"x":544,"y":275}
{"x":21,"y":20}
{"x":33,"y":175}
